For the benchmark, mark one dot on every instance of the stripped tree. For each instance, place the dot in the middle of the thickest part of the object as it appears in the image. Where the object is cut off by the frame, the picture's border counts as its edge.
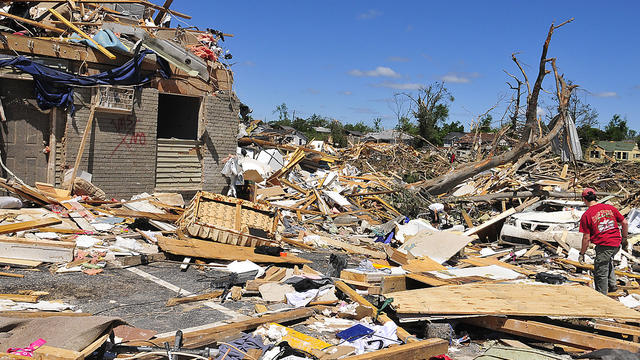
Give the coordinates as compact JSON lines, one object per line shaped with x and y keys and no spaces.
{"x":531,"y":136}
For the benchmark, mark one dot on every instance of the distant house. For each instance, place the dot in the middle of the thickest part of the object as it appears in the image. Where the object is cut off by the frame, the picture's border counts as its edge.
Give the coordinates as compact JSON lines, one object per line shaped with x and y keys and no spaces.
{"x":353,"y":136}
{"x":389,"y":136}
{"x":605,"y":151}
{"x":451,"y":138}
{"x":322,"y":130}
{"x":484,"y":141}
{"x":293,"y":136}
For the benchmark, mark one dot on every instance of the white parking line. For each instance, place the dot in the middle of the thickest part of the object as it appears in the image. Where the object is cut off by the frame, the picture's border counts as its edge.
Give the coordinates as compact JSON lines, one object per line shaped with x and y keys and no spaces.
{"x":234,"y":315}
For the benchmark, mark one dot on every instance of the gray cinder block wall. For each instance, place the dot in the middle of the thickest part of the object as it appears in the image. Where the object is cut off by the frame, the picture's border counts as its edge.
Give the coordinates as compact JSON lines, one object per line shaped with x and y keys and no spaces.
{"x":219,"y":138}
{"x":121,"y":149}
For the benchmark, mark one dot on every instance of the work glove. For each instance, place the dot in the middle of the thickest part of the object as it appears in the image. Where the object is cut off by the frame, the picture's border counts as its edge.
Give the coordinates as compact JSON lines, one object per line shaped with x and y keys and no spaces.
{"x":581,"y":259}
{"x":625,"y":244}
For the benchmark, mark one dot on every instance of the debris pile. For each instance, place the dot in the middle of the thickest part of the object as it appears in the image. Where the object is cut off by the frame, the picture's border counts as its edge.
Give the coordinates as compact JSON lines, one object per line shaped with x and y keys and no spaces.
{"x":314,"y":252}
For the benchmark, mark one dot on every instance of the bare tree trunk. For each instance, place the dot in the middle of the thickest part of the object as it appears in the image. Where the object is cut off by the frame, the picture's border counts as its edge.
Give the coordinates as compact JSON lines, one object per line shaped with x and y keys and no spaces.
{"x":528,"y":142}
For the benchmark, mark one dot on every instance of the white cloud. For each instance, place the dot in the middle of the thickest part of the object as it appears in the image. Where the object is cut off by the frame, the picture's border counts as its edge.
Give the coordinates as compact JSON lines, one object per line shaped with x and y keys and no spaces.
{"x":312,"y":91}
{"x":399,"y":86}
{"x":369,"y":14}
{"x":459,"y":78}
{"x":540,"y":111}
{"x":249,"y":63}
{"x":346,"y":93}
{"x":379,"y":71}
{"x":605,"y":94}
{"x":398,"y":59}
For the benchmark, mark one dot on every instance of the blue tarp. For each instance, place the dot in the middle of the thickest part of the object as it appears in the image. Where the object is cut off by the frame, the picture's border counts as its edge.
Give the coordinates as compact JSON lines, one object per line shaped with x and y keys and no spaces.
{"x":54,"y":88}
{"x":106,"y":38}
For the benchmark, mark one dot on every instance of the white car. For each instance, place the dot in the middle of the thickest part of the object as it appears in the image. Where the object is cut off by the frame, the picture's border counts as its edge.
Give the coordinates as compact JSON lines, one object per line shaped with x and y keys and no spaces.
{"x":548,"y":220}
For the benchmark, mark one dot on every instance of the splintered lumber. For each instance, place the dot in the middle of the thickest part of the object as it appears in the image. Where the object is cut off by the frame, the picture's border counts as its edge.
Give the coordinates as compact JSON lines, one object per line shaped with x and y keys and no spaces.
{"x":11,"y":275}
{"x":423,"y":264}
{"x":147,"y":215}
{"x":419,"y":350}
{"x":27,"y":225}
{"x":207,"y":335}
{"x":552,"y":333}
{"x":353,"y":249}
{"x":478,"y":261}
{"x":20,"y":298}
{"x":32,"y":23}
{"x":187,"y":299}
{"x":494,"y":220}
{"x":213,"y":250}
{"x":36,"y":250}
{"x":590,"y":267}
{"x":512,"y":299}
{"x":382,"y":318}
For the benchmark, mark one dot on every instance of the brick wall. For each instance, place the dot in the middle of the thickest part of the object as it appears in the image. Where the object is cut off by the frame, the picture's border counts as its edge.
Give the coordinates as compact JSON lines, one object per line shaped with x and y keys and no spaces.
{"x":121,"y":150}
{"x":219,"y":138}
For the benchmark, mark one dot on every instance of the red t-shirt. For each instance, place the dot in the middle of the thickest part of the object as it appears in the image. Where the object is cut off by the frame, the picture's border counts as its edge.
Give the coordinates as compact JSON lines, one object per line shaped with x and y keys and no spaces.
{"x":601,"y":222}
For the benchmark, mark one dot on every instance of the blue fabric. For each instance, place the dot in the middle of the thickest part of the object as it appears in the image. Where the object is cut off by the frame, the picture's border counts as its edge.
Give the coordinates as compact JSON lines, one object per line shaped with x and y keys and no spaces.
{"x":106,"y":38}
{"x":54,"y":88}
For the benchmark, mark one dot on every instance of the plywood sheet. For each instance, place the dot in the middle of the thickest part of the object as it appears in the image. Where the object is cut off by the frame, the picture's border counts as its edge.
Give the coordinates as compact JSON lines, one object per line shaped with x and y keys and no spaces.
{"x":439,"y":246}
{"x":512,"y":299}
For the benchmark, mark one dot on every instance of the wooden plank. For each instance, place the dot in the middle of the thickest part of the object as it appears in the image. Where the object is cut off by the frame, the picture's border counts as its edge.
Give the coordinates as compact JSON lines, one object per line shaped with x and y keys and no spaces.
{"x":214,"y":250}
{"x":467,"y":219}
{"x":419,"y":350}
{"x":20,"y":298}
{"x":147,"y":215}
{"x":552,"y":333}
{"x":488,"y":223}
{"x":36,"y":250}
{"x":19,"y":262}
{"x":32,"y":23}
{"x":422,"y":264}
{"x":382,"y":318}
{"x":161,"y":13}
{"x":590,"y":267}
{"x":11,"y":275}
{"x":478,"y":261}
{"x":512,"y":299}
{"x":187,"y":299}
{"x":27,"y":225}
{"x":429,"y":280}
{"x":206,"y":336}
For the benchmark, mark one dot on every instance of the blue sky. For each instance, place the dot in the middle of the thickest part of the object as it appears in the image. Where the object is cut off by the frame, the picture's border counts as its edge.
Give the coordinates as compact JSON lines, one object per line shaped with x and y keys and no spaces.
{"x":346,"y":59}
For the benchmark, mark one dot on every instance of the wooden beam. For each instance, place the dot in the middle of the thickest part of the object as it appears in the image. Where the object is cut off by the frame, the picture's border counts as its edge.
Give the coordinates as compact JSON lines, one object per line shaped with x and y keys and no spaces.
{"x":11,"y":275}
{"x":382,"y":318}
{"x":552,"y":333}
{"x":27,"y":225}
{"x":419,"y":350}
{"x":85,"y":135}
{"x":32,"y":23}
{"x":82,"y":33}
{"x":187,"y":299}
{"x":161,"y":13}
{"x":214,"y":250}
{"x":208,"y":335}
{"x":20,"y":298}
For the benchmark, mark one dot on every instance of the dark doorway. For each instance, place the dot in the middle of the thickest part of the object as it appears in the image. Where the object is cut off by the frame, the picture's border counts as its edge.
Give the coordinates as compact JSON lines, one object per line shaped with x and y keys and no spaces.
{"x":178,"y":116}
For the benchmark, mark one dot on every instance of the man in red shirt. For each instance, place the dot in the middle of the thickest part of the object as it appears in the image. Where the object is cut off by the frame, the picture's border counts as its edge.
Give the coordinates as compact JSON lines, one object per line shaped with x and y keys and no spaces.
{"x":599,"y":225}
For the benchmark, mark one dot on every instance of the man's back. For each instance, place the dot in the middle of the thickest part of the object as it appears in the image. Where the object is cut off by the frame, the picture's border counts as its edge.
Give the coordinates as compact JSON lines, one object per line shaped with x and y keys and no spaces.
{"x":600,"y":221}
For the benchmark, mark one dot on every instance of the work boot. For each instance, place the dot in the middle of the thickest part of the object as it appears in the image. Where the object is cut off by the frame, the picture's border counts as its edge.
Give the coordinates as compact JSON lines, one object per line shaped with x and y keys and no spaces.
{"x":613,"y":288}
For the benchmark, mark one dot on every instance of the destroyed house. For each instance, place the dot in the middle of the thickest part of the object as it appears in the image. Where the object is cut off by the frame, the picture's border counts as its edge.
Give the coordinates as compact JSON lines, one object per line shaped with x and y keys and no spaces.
{"x":149,"y":109}
{"x":605,"y":151}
